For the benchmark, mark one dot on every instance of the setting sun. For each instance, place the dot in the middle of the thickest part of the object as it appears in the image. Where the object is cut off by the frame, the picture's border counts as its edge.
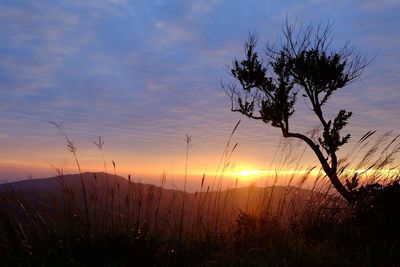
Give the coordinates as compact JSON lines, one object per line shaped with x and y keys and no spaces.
{"x":249,"y":174}
{"x":245,"y":173}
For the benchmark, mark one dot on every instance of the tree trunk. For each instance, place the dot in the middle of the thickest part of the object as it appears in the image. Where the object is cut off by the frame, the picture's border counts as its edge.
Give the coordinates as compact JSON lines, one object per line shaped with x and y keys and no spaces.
{"x":329,"y":171}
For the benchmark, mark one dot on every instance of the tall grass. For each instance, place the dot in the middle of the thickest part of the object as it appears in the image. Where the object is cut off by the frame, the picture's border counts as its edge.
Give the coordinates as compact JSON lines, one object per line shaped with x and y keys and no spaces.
{"x":72,"y":148}
{"x":99,"y":144}
{"x":188,"y":141}
{"x":297,"y":223}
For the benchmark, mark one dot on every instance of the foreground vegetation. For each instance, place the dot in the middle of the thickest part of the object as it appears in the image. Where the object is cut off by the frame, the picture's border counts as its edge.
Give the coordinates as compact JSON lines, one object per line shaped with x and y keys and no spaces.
{"x":102,"y":220}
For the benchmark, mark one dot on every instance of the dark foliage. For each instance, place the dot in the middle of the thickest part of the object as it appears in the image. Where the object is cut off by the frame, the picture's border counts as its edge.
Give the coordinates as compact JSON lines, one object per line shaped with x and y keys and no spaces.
{"x":377,"y":206}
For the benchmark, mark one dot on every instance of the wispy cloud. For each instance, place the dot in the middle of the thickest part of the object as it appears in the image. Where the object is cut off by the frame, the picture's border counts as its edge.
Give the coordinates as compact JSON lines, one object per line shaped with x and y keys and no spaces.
{"x":379,"y":5}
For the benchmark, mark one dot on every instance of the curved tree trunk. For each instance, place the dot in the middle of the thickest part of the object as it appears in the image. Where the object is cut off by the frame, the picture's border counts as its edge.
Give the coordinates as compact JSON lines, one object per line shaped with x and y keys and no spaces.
{"x":330,"y":171}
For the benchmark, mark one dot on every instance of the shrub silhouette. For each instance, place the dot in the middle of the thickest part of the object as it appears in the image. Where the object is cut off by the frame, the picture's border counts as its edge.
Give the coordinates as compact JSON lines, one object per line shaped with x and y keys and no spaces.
{"x":375,"y":222}
{"x":377,"y":206}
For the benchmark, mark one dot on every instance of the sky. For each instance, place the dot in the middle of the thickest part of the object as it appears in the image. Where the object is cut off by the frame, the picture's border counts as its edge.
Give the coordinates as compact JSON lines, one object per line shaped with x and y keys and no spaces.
{"x":142,"y":74}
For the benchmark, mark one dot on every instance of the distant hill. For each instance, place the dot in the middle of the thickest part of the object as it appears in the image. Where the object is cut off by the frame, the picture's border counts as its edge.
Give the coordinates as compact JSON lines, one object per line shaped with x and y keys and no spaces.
{"x":110,"y":193}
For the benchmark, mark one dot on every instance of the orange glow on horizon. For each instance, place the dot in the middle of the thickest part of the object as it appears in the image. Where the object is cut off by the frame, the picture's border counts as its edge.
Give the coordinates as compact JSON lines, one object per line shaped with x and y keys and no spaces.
{"x":152,"y":172}
{"x":252,"y":174}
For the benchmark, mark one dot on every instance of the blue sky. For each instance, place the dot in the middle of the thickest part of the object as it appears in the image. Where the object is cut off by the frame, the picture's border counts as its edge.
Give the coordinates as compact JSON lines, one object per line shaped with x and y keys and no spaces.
{"x":142,"y":74}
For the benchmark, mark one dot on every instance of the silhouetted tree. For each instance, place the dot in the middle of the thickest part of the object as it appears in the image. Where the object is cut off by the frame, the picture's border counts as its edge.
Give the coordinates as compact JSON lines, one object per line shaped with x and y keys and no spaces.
{"x":304,"y":63}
